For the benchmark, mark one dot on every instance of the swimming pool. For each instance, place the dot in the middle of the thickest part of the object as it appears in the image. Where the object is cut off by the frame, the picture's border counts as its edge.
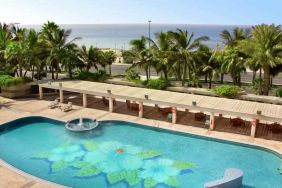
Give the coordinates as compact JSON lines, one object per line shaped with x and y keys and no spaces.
{"x":121,"y":154}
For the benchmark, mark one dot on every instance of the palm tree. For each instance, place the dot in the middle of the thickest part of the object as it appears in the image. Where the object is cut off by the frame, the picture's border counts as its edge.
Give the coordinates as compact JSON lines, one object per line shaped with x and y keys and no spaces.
{"x":208,"y":63}
{"x":185,"y":45}
{"x":89,"y":57}
{"x":57,"y":41}
{"x":6,"y":37}
{"x":232,"y":39}
{"x":233,"y":62}
{"x":142,"y":57}
{"x":162,"y":53}
{"x":265,"y":49}
{"x":72,"y":59}
{"x":109,"y":57}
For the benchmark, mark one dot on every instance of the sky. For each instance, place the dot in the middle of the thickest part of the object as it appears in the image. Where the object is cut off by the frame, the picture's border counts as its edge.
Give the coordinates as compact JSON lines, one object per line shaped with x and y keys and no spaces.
{"x":220,"y":12}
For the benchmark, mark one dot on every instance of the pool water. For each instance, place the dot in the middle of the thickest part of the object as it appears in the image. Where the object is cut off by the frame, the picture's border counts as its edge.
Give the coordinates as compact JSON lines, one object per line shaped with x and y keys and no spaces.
{"x":121,"y":154}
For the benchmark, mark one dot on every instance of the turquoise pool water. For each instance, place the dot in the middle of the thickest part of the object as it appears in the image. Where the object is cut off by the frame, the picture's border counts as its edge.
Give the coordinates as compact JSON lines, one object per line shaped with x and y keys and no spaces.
{"x":120,"y":154}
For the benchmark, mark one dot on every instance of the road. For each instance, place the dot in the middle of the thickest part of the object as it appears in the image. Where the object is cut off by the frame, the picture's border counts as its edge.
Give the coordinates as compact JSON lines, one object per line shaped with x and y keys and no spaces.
{"x":246,"y":77}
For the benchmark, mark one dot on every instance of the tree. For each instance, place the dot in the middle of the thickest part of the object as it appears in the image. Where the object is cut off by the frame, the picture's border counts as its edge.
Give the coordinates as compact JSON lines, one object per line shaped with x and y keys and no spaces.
{"x":231,"y":40}
{"x":89,"y":57}
{"x":183,"y":42}
{"x":162,"y":54}
{"x":142,"y":57}
{"x":265,"y":49}
{"x":57,"y":41}
{"x":109,"y":57}
{"x":207,"y":61}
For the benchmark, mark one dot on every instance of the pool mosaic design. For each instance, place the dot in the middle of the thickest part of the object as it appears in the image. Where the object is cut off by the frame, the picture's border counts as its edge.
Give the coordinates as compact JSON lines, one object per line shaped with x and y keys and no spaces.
{"x":117,"y":163}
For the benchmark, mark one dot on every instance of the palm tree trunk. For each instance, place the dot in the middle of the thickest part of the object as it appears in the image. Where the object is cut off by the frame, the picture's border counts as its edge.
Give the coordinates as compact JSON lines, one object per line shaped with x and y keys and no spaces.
{"x":206,"y":78}
{"x":57,"y":71}
{"x":266,"y":78}
{"x":184,"y":74}
{"x":32,"y":72}
{"x":165,"y":74}
{"x":221,"y":78}
{"x":52,"y":71}
{"x":210,"y":80}
{"x":38,"y":72}
{"x":147,"y":74}
{"x":110,"y":70}
{"x":254,"y":76}
{"x":70,"y":72}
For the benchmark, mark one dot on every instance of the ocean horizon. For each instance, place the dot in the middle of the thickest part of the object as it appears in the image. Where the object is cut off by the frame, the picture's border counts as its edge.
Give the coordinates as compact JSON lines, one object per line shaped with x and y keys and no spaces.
{"x":118,"y":36}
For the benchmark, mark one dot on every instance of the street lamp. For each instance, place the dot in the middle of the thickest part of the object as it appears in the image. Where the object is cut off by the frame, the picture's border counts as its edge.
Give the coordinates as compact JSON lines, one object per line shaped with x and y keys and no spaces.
{"x":149,"y":21}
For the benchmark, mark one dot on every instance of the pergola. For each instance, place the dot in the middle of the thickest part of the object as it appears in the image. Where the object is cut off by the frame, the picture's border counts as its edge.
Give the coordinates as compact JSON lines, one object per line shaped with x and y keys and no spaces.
{"x":253,"y":111}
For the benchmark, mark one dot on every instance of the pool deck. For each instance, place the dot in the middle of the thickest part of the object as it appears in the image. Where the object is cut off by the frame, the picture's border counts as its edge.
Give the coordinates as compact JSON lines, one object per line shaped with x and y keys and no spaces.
{"x":14,"y":109}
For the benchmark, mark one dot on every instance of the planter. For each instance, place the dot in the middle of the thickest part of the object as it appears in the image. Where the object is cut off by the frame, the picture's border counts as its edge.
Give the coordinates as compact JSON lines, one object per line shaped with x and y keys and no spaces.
{"x":16,"y":91}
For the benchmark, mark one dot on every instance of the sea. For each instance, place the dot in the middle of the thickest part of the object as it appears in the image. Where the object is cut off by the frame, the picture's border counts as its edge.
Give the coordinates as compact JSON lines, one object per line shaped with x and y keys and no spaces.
{"x":118,"y":36}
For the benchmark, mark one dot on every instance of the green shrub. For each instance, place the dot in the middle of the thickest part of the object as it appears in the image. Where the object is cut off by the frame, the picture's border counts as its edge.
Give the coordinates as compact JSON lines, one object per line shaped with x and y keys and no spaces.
{"x":131,"y":75}
{"x":7,"y":80}
{"x":227,"y":91}
{"x":156,"y":84}
{"x":279,"y":92}
{"x":100,"y":75}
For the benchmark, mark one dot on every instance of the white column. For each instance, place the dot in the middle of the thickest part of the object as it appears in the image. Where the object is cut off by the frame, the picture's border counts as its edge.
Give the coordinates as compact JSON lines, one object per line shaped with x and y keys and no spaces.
{"x":61,"y":96}
{"x":212,"y":125}
{"x":174,"y":115}
{"x":254,"y":124}
{"x":141,"y":109}
{"x":84,"y":96}
{"x":40,"y":92}
{"x":111,"y":104}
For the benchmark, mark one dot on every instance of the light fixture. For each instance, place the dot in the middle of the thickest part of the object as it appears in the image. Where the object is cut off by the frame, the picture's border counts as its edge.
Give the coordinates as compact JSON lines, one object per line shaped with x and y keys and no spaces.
{"x":259,"y":112}
{"x":146,"y":96}
{"x":194,"y":103}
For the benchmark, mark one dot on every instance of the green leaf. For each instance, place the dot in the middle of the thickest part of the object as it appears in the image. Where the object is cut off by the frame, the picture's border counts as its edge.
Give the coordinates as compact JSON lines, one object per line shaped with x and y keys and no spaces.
{"x":172,"y":181}
{"x":80,"y":164}
{"x":147,"y":154}
{"x":42,"y":155}
{"x":149,"y":183}
{"x":132,"y":177}
{"x":115,"y":177}
{"x":88,"y":171}
{"x":90,"y":146}
{"x":58,"y":165}
{"x":182,"y":165}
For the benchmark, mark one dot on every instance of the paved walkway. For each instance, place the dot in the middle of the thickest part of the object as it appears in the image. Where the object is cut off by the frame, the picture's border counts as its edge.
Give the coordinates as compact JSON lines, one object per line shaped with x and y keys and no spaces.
{"x":26,"y":107}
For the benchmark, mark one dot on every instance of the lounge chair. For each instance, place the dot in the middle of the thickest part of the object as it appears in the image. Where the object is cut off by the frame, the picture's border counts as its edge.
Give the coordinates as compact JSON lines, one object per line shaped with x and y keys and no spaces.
{"x":275,"y":128}
{"x":200,"y":116}
{"x":233,"y":178}
{"x":165,"y":111}
{"x":54,"y":104}
{"x":66,"y":107}
{"x":106,"y":101}
{"x":132,"y":106}
{"x":237,"y":122}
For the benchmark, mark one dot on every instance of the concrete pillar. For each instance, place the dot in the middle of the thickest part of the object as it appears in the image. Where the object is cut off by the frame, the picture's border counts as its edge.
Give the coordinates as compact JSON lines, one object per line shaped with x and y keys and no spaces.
{"x":254,"y":124}
{"x":84,"y":96}
{"x":40,"y":92}
{"x":212,"y":125}
{"x":111,"y":104}
{"x":141,"y":110}
{"x":174,"y":115}
{"x":61,"y":96}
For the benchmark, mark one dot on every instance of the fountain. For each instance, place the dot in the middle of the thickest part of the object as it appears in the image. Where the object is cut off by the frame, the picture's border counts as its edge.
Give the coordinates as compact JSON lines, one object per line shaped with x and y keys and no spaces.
{"x":81,"y":124}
